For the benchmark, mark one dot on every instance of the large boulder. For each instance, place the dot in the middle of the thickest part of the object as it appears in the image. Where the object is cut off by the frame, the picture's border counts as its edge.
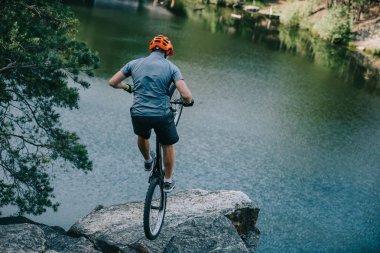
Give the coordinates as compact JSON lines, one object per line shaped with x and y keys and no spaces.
{"x":196,"y":221}
{"x":19,"y":234}
{"x":21,"y":238}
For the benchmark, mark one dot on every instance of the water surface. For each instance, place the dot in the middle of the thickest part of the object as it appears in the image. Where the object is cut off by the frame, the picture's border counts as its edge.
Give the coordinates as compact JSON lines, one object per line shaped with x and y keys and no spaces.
{"x":300,"y":138}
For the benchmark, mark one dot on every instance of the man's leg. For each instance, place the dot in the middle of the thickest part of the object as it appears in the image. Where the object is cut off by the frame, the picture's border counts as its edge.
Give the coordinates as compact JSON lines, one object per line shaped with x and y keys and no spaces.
{"x":148,"y":155}
{"x":144,"y":147}
{"x":169,"y":159}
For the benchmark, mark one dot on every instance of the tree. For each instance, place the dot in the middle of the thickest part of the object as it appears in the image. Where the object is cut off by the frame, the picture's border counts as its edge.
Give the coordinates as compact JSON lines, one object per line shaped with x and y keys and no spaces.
{"x":362,"y":6}
{"x":38,"y":55}
{"x":356,"y":7}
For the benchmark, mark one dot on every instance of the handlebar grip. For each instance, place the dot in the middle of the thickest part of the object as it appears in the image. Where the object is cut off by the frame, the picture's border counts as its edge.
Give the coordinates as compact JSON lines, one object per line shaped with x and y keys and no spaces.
{"x":130,"y":88}
{"x":188,"y":104}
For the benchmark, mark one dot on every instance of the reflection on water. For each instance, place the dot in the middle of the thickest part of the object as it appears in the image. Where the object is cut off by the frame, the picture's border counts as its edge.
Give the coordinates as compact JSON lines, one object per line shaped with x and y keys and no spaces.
{"x":278,"y":116}
{"x":259,"y":28}
{"x":349,"y":65}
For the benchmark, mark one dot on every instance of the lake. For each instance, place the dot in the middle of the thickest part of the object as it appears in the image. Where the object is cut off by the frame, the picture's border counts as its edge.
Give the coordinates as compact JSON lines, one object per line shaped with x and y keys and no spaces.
{"x":297,"y":130}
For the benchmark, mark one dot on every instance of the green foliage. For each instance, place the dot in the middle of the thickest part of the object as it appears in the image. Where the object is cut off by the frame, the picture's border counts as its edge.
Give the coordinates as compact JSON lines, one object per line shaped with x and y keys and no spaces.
{"x":178,"y":8}
{"x":38,"y":54}
{"x":295,"y":14}
{"x":375,"y":52}
{"x":333,"y":57}
{"x":334,"y":26}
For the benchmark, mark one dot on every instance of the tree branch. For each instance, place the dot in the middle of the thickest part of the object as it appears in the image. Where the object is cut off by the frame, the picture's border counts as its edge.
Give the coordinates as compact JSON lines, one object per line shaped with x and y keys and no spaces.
{"x":14,"y":66}
{"x":25,"y":140}
{"x":9,"y":66}
{"x":41,"y":14}
{"x":31,"y":110}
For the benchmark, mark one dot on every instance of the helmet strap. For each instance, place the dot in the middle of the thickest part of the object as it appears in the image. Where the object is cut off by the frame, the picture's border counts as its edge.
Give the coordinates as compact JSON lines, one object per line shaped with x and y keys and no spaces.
{"x":167,"y":53}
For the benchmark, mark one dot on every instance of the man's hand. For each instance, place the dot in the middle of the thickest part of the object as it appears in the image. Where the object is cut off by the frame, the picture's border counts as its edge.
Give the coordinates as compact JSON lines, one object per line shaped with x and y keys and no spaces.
{"x":188,"y":104}
{"x":129,"y":89}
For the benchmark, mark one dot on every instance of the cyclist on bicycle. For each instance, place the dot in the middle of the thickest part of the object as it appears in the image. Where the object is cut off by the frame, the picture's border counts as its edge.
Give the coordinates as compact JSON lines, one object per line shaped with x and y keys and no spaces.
{"x":152,"y":76}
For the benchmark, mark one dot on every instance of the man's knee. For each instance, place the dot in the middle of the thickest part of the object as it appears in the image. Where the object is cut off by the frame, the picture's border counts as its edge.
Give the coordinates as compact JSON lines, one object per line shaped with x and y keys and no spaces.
{"x":142,"y":142}
{"x":168,"y":147}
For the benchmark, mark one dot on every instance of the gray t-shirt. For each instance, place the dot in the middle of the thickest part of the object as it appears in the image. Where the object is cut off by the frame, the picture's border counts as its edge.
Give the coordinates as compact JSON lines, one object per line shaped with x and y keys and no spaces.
{"x":152,"y":77}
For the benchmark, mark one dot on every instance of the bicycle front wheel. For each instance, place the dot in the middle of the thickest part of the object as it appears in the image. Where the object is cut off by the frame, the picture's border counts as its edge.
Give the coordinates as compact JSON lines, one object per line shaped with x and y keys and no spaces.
{"x":154,"y":209}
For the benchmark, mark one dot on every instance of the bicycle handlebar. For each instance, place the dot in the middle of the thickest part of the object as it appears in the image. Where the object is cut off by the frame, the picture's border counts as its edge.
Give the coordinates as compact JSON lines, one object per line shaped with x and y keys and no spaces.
{"x":180,"y":101}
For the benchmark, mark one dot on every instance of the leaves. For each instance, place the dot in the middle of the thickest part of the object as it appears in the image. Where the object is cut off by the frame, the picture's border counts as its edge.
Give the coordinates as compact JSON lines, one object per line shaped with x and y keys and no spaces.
{"x":335,"y":26}
{"x":38,"y":54}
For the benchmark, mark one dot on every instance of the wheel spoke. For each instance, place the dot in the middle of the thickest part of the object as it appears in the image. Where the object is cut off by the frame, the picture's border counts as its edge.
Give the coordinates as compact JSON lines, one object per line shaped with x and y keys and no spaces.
{"x":154,"y":210}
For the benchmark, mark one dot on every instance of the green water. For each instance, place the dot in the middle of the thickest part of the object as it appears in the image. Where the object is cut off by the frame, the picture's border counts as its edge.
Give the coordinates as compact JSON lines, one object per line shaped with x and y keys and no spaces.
{"x":292,"y":123}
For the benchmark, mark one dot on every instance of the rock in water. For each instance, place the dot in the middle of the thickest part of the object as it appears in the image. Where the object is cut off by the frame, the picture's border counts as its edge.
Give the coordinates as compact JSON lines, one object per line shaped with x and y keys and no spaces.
{"x":196,"y":221}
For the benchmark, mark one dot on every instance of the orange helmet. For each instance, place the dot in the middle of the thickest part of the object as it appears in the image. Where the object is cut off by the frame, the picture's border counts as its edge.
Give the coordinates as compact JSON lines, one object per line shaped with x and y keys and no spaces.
{"x":162,"y":42}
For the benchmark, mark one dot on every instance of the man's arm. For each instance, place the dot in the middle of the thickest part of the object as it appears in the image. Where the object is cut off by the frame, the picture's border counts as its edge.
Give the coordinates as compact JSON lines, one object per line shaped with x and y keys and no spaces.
{"x":116,"y":81}
{"x":184,"y":91}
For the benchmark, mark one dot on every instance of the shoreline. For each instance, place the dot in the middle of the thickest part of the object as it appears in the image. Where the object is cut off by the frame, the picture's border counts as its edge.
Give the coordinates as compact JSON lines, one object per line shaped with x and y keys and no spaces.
{"x":268,"y":23}
{"x":365,"y":33}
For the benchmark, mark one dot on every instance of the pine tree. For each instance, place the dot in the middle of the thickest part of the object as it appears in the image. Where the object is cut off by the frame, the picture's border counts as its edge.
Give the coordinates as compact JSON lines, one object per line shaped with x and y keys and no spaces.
{"x":38,"y":55}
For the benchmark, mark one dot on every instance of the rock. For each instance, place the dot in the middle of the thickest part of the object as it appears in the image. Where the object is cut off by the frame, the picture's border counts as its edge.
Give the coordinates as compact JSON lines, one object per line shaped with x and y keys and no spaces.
{"x":235,"y":16}
{"x":66,"y":244}
{"x":361,"y":48}
{"x":367,"y":30}
{"x":205,"y":234}
{"x":251,"y":8}
{"x":196,"y":221}
{"x":21,"y":238}
{"x":24,"y":235}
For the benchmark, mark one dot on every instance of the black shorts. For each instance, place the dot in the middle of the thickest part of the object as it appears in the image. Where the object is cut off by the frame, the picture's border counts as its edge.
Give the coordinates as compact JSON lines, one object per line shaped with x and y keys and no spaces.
{"x":163,"y":126}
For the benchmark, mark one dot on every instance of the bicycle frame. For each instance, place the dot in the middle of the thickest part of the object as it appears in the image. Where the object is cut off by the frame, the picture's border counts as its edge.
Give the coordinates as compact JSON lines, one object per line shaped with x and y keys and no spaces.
{"x":156,"y":179}
{"x":157,"y":170}
{"x":157,"y":166}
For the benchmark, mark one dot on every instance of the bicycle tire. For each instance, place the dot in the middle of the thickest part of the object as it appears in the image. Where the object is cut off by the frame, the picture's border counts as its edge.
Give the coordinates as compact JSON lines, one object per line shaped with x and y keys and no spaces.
{"x":176,"y":108}
{"x":152,"y":226}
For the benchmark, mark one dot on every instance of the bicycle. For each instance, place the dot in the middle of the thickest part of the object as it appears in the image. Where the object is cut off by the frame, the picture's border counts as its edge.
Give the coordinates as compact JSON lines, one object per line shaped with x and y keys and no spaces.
{"x":155,"y":200}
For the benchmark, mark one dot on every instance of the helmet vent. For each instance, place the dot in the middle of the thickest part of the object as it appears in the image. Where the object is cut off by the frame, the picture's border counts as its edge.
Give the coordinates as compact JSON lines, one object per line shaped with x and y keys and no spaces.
{"x":162,"y":42}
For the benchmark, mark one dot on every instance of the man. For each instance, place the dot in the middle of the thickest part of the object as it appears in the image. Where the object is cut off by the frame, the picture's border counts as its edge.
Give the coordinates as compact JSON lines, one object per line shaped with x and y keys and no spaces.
{"x":152,"y":77}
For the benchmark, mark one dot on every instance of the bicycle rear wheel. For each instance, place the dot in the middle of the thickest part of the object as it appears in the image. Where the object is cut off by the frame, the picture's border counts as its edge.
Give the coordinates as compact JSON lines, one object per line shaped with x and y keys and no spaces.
{"x":154,"y":209}
{"x":176,"y":107}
